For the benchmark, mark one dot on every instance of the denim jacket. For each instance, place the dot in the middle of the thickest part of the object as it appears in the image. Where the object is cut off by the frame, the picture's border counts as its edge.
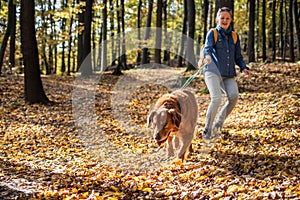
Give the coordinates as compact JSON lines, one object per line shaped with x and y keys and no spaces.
{"x":224,"y":53}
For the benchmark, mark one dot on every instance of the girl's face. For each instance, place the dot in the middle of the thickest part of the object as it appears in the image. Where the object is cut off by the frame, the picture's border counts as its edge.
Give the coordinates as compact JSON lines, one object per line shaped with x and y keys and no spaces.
{"x":224,"y":20}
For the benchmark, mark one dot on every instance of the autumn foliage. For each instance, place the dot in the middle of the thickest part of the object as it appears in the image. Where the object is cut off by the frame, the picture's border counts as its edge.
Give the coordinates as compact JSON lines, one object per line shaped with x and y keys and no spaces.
{"x":43,"y":156}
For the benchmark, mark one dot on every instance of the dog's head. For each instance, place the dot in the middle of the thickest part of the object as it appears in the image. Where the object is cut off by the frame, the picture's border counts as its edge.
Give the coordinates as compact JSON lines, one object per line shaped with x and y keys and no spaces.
{"x":163,"y":121}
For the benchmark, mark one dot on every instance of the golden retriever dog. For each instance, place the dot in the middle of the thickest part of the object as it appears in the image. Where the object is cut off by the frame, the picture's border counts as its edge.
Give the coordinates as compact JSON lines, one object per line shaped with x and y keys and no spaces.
{"x":174,"y":119}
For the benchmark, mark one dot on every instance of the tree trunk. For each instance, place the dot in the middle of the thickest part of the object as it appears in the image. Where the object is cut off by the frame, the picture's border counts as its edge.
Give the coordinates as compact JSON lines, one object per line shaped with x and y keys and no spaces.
{"x":291,"y":27}
{"x":12,"y":44}
{"x":52,"y":47}
{"x":104,"y":38}
{"x":34,"y":92}
{"x":139,"y":11}
{"x":145,"y":56}
{"x":112,"y":33}
{"x":184,"y":33}
{"x":86,"y":69}
{"x":124,"y":57}
{"x":117,"y":71}
{"x":80,"y":53}
{"x":263,"y":26}
{"x":205,"y":6}
{"x":190,"y":52}
{"x":210,"y":15}
{"x":157,"y":54}
{"x":70,"y":43}
{"x":166,"y":57}
{"x":251,"y":31}
{"x":63,"y":48}
{"x":297,"y":26}
{"x":281,"y":29}
{"x":8,"y":32}
{"x":44,"y":46}
{"x":274,"y":30}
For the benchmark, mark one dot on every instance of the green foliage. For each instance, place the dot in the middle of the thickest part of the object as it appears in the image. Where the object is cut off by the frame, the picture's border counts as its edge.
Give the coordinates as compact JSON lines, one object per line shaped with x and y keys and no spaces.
{"x":53,"y":21}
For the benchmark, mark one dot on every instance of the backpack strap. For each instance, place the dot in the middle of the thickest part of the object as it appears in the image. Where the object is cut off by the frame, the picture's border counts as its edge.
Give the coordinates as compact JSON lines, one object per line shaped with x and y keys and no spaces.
{"x":234,"y":37}
{"x":233,"y":34}
{"x":215,"y":35}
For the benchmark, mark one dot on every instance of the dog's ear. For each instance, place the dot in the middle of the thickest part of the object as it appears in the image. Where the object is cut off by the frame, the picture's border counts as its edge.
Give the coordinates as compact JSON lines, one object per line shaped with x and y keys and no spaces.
{"x":150,"y":119}
{"x":176,"y":117}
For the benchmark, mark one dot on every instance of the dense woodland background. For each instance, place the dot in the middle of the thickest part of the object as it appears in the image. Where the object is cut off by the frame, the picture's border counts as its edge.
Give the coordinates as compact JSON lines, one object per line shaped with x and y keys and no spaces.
{"x":56,"y":36}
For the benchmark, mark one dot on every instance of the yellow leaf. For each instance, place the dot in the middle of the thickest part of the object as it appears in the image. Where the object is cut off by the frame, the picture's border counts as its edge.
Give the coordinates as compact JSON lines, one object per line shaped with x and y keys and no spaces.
{"x":147,"y":189}
{"x":268,"y":171}
{"x":114,"y":188}
{"x":74,"y":190}
{"x":200,"y":178}
{"x":235,"y":188}
{"x":169,"y":192}
{"x":263,"y":183}
{"x":85,"y":195}
{"x":177,"y":162}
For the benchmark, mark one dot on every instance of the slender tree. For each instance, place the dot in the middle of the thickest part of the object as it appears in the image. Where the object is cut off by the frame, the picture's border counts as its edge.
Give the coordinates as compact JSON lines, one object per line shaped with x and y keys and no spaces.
{"x":88,"y":15}
{"x":123,"y":57}
{"x":157,"y":54}
{"x":263,"y":29}
{"x":281,"y":30}
{"x":291,"y":31}
{"x":297,"y":25}
{"x":167,"y":41}
{"x":112,"y":31}
{"x":52,"y":35}
{"x":190,"y":52}
{"x":64,"y":4}
{"x":205,"y":5}
{"x":274,"y":30}
{"x":184,"y":33}
{"x":34,"y":92}
{"x":52,"y":53}
{"x":12,"y":44}
{"x":210,"y":19}
{"x":44,"y":45}
{"x":139,"y":11}
{"x":70,"y":41}
{"x":8,"y":32}
{"x":80,"y":53}
{"x":251,"y":34}
{"x":118,"y":70}
{"x":147,"y":32}
{"x":104,"y":37}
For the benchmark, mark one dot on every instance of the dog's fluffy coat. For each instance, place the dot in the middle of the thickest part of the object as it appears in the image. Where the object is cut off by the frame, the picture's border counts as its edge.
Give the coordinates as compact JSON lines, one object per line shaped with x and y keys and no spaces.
{"x":174,"y":117}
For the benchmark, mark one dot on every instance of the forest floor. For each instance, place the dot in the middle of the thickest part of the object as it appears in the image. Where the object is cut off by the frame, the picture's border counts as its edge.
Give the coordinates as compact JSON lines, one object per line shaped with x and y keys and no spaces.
{"x":109,"y":154}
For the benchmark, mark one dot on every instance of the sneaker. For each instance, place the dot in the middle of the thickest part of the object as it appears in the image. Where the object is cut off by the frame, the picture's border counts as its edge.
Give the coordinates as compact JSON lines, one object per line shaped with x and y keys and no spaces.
{"x":206,"y":135}
{"x":216,"y":132}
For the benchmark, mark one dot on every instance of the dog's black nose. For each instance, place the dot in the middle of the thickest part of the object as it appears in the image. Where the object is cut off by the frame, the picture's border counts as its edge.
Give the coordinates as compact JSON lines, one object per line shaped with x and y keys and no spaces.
{"x":157,"y":137}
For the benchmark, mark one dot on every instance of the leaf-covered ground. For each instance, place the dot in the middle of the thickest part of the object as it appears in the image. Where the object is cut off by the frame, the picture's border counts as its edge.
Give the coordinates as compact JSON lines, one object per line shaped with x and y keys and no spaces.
{"x":44,"y":155}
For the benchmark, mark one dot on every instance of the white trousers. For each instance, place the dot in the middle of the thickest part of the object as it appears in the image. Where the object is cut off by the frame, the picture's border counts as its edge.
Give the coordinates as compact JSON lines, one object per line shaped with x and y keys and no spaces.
{"x":217,"y":86}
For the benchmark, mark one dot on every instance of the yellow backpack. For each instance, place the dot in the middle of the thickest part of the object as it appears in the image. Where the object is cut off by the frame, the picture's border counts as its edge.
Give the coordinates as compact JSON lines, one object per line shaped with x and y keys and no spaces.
{"x":234,"y":36}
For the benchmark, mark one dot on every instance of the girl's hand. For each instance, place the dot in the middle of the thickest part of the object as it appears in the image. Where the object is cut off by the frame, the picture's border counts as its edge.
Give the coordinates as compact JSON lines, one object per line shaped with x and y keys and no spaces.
{"x":248,"y":73}
{"x":207,"y":59}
